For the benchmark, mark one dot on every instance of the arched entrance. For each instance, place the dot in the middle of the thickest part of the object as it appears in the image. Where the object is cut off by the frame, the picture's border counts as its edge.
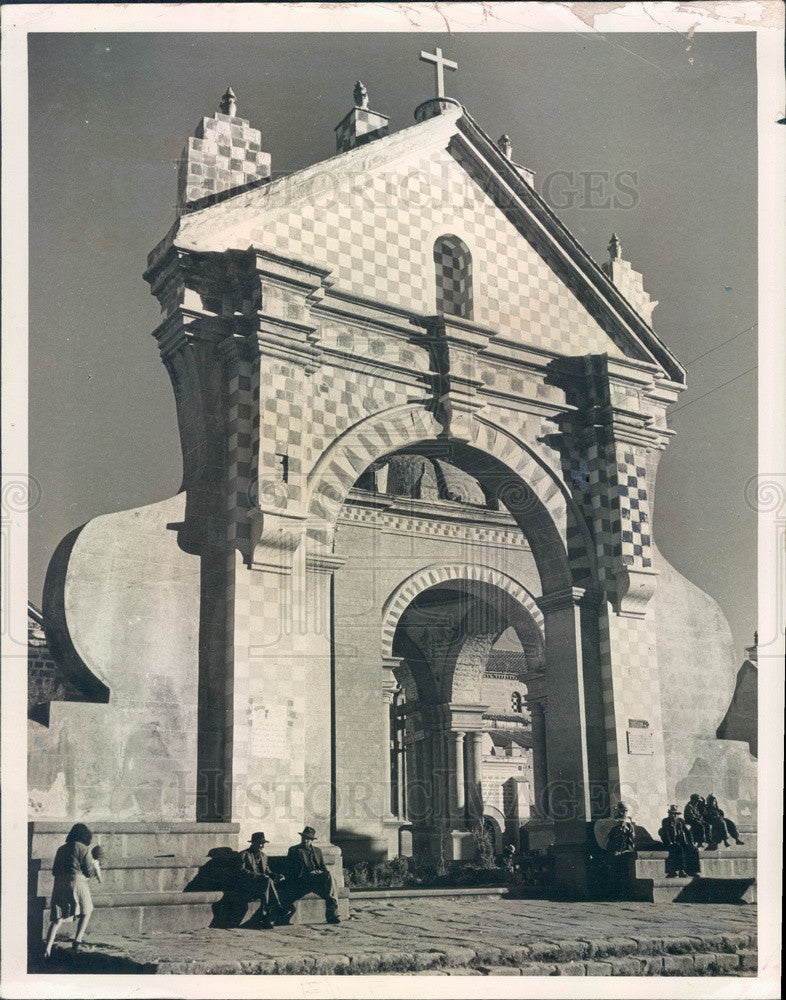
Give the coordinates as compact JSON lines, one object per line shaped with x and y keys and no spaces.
{"x":441,"y":646}
{"x":514,"y":478}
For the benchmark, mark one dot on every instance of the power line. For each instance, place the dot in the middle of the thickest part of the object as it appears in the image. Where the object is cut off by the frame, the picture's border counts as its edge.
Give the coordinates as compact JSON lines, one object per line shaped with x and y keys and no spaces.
{"x":717,"y":387}
{"x":723,"y":344}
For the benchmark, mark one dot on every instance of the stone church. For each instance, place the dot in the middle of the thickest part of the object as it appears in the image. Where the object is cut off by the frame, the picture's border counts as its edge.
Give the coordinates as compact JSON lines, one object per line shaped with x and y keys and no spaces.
{"x":409,"y":585}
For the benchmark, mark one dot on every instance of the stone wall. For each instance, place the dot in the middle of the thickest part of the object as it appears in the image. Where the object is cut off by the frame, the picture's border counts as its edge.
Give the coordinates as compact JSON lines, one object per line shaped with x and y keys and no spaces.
{"x":697,"y":678}
{"x":131,"y":598}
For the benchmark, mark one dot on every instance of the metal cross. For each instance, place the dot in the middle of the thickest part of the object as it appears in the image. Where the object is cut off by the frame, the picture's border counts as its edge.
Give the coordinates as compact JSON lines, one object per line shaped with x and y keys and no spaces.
{"x":441,"y":65}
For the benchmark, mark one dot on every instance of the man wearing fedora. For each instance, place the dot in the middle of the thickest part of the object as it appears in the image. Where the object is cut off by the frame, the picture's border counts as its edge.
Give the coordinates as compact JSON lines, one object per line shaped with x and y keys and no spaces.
{"x":257,"y":881}
{"x":307,"y":872}
{"x":683,"y":859}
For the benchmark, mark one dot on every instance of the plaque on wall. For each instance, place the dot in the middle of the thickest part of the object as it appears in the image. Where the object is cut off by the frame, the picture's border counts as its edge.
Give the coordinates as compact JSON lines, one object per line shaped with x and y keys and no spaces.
{"x":640,"y":741}
{"x":269,"y":731}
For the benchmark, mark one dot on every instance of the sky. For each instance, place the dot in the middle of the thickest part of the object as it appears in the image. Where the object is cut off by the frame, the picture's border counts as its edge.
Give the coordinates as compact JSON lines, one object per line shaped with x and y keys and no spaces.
{"x":652,"y":136}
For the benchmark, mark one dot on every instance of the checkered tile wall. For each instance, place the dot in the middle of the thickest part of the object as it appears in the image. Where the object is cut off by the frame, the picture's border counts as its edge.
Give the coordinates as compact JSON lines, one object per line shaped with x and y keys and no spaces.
{"x":377,"y":232}
{"x":360,"y":126}
{"x":224,"y":153}
{"x":619,"y":503}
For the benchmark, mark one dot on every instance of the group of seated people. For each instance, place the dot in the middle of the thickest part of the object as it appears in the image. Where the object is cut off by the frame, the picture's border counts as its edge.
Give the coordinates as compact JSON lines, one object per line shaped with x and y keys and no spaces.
{"x":701,"y":824}
{"x":306,"y":872}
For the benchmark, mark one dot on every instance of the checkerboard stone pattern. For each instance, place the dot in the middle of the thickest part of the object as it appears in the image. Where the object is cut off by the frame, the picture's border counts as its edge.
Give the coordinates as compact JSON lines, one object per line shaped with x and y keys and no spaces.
{"x":376,"y":232}
{"x":616,"y":500}
{"x":360,"y":126}
{"x":619,"y":503}
{"x":224,"y":153}
{"x":453,"y":271}
{"x":631,"y":691}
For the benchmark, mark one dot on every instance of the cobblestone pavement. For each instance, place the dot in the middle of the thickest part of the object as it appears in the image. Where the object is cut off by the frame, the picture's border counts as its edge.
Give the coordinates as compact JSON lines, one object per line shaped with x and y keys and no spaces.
{"x":483,"y":936}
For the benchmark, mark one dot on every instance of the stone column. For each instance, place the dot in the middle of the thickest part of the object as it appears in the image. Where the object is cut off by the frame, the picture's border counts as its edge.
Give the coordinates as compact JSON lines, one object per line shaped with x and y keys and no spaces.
{"x":456,"y":779}
{"x":439,"y":773}
{"x":474,"y":746}
{"x":537,"y":708}
{"x":426,"y":794}
{"x":390,"y":754}
{"x":566,"y":744}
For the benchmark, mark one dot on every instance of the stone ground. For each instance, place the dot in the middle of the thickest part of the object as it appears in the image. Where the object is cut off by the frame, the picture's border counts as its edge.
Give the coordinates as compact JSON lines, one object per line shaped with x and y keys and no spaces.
{"x":496,"y":936}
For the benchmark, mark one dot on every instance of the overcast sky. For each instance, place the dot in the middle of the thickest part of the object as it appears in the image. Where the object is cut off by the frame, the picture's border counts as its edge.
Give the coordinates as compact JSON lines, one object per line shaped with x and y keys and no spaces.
{"x":109,"y":115}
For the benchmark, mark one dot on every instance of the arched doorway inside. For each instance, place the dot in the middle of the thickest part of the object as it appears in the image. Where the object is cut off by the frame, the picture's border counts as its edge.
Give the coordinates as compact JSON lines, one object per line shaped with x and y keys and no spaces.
{"x":445,"y":644}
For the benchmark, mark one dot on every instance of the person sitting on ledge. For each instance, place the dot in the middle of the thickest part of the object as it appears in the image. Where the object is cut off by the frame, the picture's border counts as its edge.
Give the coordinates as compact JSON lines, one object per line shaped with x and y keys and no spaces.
{"x":257,"y":881}
{"x":720,"y":826}
{"x":696,"y":820}
{"x":683,"y":859}
{"x":622,"y":834}
{"x":307,"y":872}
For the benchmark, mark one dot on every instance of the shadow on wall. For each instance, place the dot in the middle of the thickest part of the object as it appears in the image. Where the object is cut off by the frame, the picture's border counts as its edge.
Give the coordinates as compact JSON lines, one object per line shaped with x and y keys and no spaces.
{"x":222,"y":873}
{"x":356,"y":848}
{"x":742,"y":717}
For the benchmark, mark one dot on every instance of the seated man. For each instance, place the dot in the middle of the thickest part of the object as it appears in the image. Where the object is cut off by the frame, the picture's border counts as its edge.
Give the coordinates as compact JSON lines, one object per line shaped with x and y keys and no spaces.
{"x":307,"y":872}
{"x":695,"y":819}
{"x":683,"y":859}
{"x":721,"y":826}
{"x":618,"y":833}
{"x":257,"y":881}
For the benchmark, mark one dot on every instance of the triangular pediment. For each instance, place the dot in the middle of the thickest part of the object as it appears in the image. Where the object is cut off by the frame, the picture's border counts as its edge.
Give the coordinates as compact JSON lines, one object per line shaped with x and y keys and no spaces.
{"x":371,"y":217}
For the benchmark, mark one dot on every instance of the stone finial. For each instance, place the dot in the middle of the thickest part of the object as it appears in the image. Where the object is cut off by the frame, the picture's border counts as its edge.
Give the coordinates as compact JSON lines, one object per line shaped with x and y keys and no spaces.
{"x":228,"y":104}
{"x":756,"y":639}
{"x":505,"y":146}
{"x":615,"y":247}
{"x":361,"y":95}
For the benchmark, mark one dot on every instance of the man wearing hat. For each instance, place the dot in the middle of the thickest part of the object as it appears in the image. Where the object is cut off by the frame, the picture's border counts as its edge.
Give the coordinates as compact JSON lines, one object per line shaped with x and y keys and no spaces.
{"x":683,"y":859}
{"x":257,"y":881}
{"x":307,"y":872}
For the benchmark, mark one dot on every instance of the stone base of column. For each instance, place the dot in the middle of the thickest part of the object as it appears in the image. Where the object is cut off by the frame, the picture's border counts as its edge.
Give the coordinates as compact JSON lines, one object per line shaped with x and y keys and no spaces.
{"x":571,"y":877}
{"x":356,"y":847}
{"x":454,"y":845}
{"x":540,"y":834}
{"x":399,"y":836}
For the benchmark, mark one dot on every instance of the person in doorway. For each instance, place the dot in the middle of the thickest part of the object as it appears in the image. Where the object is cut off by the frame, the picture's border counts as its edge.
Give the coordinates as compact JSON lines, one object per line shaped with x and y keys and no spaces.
{"x":721,"y":826}
{"x":257,"y":881}
{"x":683,"y":859}
{"x":71,"y":898}
{"x":307,"y":872}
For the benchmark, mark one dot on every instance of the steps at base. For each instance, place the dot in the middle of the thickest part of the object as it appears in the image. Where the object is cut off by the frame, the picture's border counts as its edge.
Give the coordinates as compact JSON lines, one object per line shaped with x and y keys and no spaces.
{"x":134,"y":913}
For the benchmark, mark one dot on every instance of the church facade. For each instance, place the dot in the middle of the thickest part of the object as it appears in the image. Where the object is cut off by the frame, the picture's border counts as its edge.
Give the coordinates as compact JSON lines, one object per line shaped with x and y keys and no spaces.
{"x":409,"y":585}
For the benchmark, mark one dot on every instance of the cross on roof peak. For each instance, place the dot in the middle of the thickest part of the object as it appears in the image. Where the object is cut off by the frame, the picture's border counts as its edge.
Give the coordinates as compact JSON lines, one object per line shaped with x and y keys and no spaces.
{"x":441,"y":64}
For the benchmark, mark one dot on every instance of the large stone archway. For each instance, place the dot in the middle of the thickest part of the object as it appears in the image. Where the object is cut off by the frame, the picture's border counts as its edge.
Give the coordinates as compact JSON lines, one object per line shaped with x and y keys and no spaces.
{"x":532,"y":489}
{"x":547,"y":515}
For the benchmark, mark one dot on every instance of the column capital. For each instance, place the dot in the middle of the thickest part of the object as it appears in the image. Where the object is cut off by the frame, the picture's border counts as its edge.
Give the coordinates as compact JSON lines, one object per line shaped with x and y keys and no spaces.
{"x":454,"y":716}
{"x":571,"y":597}
{"x":324,"y":562}
{"x":275,"y":535}
{"x":392,"y":662}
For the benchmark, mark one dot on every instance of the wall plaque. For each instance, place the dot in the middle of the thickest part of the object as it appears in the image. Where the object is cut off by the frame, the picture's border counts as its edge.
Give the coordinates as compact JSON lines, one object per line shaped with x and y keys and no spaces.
{"x":269,"y":731}
{"x":640,"y":741}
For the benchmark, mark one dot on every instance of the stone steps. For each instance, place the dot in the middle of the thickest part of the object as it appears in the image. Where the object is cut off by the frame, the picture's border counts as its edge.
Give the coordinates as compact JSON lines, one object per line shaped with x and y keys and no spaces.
{"x":484,"y":892}
{"x":158,"y":877}
{"x":736,"y":862}
{"x":728,"y":875}
{"x":123,"y":840}
{"x":131,"y":875}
